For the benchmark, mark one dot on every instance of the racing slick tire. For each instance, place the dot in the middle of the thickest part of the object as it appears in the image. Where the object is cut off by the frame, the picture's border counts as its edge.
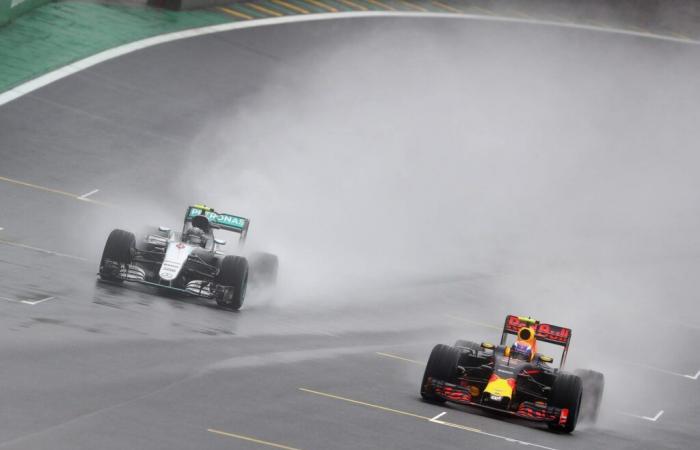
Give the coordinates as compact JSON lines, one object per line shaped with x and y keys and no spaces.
{"x":233,"y":277}
{"x":263,"y":269}
{"x":566,"y":393}
{"x":442,"y":365}
{"x":119,"y":248}
{"x":593,"y":387}
{"x":469,"y":345}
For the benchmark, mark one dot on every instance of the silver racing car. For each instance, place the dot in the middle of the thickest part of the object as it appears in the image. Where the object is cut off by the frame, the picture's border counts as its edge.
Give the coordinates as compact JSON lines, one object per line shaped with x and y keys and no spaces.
{"x":190,"y":262}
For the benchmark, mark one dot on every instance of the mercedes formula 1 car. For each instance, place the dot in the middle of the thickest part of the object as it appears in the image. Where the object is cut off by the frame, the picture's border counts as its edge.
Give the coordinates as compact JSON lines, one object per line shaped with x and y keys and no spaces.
{"x":190,"y":262}
{"x":513,"y":378}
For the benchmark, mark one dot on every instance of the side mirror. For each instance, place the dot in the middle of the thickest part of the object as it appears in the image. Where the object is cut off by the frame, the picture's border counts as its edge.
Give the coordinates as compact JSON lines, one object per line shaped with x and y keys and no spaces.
{"x":219,"y":241}
{"x":164,"y":229}
{"x":546,"y":359}
{"x":487,"y":345}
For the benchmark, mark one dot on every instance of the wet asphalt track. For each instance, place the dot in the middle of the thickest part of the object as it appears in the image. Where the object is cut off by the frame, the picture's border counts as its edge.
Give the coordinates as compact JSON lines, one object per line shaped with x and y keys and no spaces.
{"x":96,"y":366}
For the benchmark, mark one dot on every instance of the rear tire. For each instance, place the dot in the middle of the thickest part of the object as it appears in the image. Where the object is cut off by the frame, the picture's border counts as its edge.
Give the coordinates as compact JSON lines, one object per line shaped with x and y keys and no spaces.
{"x":566,"y":393}
{"x":593,"y":387}
{"x":442,"y":365}
{"x":263,"y":269}
{"x":233,"y":276}
{"x":120,"y":249}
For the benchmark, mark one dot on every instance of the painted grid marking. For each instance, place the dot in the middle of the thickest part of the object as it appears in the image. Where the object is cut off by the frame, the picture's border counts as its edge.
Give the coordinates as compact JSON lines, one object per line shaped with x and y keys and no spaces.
{"x":27,"y":302}
{"x":250,"y":439}
{"x":650,"y":419}
{"x":88,"y":194}
{"x":438,"y":416}
{"x":428,"y":419}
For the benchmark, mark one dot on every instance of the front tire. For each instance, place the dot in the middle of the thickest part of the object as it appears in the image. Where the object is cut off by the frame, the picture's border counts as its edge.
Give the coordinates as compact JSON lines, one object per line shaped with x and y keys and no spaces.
{"x":442,"y":365}
{"x":233,"y":277}
{"x":119,"y":250}
{"x":566,"y":393}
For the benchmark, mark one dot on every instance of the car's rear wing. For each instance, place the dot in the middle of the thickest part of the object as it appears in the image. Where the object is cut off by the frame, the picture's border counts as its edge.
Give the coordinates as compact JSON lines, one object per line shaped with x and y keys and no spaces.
{"x":544,"y":332}
{"x":218,"y":220}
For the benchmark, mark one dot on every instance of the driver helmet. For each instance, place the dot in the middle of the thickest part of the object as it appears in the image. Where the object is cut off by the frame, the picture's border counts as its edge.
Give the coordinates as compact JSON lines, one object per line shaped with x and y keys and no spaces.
{"x":196,"y":236}
{"x":521,"y":350}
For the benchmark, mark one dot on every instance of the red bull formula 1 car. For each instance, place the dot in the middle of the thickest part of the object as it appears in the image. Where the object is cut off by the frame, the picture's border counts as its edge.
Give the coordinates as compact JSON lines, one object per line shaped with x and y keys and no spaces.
{"x":513,"y":378}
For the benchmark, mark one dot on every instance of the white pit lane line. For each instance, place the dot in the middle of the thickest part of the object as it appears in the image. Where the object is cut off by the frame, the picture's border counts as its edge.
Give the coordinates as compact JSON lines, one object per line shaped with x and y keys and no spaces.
{"x":77,"y":66}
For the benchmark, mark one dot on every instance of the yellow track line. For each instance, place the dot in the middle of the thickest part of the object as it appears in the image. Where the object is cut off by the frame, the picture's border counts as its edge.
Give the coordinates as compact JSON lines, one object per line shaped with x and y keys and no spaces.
{"x":353,"y":5}
{"x":264,"y":10}
{"x":250,"y":439}
{"x":371,"y":405}
{"x":414,"y":6}
{"x":447,"y":7}
{"x":290,"y":6}
{"x":234,"y":13}
{"x":381,"y":5}
{"x":53,"y":191}
{"x":322,"y":5}
{"x":389,"y":355}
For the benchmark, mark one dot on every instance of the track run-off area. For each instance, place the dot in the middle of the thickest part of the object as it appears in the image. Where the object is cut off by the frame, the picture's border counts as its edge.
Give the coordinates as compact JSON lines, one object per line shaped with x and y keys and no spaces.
{"x":420,"y":178}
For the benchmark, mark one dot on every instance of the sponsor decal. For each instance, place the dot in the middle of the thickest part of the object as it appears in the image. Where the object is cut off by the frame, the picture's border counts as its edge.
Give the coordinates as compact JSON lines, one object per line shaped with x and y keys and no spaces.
{"x":219,"y":219}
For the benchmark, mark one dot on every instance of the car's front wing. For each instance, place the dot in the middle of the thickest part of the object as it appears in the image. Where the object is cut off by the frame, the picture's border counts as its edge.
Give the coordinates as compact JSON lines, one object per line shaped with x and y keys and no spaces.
{"x":537,"y":411}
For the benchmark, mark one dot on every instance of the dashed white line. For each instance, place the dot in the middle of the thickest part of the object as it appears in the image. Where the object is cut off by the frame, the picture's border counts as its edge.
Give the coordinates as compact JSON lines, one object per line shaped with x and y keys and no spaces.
{"x":86,"y":195}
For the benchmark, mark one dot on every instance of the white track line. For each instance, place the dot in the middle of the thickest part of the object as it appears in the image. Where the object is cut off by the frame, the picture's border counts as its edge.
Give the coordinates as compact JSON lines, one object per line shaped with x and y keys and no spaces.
{"x":85,"y":196}
{"x":46,"y":79}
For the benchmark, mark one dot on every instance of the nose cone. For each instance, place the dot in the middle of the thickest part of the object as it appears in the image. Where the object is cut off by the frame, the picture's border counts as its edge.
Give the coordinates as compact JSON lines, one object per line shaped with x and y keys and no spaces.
{"x":500,"y":387}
